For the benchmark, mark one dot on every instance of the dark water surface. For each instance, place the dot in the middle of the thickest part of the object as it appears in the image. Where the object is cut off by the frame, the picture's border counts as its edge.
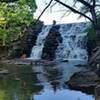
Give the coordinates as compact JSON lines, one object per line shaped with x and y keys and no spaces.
{"x":40,"y":82}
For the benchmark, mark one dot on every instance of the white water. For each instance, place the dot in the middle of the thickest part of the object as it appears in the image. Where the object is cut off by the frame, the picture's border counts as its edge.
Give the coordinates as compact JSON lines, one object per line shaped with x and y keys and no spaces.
{"x":74,"y":40}
{"x":37,"y":49}
{"x":72,"y":47}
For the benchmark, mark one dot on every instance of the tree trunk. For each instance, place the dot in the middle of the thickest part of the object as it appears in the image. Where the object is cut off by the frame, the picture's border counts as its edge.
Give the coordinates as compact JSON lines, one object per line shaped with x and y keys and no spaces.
{"x":95,"y":23}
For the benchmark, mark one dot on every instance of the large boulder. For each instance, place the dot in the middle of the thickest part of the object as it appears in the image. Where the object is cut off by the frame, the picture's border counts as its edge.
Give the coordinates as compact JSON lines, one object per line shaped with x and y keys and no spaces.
{"x":97,"y":92}
{"x":95,"y":58}
{"x":51,"y":43}
{"x":84,"y":80}
{"x":23,"y":45}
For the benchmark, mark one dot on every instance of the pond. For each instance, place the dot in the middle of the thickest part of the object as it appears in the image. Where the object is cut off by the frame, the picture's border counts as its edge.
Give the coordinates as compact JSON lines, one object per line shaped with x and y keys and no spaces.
{"x":38,"y":82}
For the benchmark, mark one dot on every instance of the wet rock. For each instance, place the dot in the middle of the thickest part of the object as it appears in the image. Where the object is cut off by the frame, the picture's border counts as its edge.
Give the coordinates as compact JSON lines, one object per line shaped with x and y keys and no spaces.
{"x":29,"y":62}
{"x":82,"y":65}
{"x":23,"y":45}
{"x":97,"y":92}
{"x":65,"y":61}
{"x":4,"y":72}
{"x":51,"y":43}
{"x":84,"y":80}
{"x":94,"y":61}
{"x":3,"y":52}
{"x":91,"y":44}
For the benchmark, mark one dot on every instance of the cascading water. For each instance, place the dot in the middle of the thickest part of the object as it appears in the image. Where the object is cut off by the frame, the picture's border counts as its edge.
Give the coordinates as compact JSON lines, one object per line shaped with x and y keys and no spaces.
{"x":74,"y":42}
{"x":37,"y":49}
{"x":73,"y":45}
{"x":52,"y":78}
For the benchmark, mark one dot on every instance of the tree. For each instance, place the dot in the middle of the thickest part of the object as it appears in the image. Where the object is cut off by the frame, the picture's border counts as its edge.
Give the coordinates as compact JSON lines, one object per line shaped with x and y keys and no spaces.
{"x":8,"y":1}
{"x":14,"y":17}
{"x":86,"y":7}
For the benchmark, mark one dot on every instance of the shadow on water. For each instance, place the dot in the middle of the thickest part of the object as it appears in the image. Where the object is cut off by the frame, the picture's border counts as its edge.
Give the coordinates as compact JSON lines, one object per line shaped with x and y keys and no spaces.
{"x":40,"y":82}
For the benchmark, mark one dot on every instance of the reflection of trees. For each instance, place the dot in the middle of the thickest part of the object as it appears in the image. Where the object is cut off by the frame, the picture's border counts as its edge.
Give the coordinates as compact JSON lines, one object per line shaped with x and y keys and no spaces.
{"x":20,"y":85}
{"x":54,"y":75}
{"x":53,"y":72}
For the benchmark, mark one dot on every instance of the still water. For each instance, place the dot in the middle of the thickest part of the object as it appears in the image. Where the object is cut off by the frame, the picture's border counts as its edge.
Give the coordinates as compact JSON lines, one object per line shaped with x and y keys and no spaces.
{"x":40,"y":82}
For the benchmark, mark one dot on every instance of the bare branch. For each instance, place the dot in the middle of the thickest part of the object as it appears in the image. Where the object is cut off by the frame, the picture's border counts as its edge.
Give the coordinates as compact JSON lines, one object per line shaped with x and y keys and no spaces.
{"x":74,"y":5}
{"x":94,"y":3}
{"x":44,"y":10}
{"x":74,"y":10}
{"x":97,"y":5}
{"x":85,"y":3}
{"x":65,"y":14}
{"x":52,"y":6}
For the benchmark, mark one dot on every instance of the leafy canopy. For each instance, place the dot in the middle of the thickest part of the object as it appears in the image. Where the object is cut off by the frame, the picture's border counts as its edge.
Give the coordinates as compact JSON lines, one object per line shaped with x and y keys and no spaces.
{"x":14,"y":16}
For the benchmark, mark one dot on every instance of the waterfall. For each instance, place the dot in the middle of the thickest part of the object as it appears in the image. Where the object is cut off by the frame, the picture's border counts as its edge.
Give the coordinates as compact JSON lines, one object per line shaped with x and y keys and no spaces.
{"x":72,"y":47}
{"x":37,"y":49}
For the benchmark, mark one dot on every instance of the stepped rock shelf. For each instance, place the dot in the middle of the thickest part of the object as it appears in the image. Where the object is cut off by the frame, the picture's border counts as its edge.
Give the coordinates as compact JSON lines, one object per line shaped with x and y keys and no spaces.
{"x":31,"y":62}
{"x":61,"y":42}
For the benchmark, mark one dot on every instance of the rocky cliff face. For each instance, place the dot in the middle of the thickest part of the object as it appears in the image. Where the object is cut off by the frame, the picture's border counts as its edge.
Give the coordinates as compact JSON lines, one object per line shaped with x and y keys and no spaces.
{"x":94,"y":58}
{"x":23,"y":45}
{"x":91,"y":44}
{"x":51,"y":43}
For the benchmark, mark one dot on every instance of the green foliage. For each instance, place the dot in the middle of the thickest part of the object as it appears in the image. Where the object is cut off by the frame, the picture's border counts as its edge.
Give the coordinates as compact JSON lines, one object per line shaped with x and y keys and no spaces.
{"x":91,"y":33}
{"x":14,"y":16}
{"x":20,"y":83}
{"x":8,"y":1}
{"x":98,"y":18}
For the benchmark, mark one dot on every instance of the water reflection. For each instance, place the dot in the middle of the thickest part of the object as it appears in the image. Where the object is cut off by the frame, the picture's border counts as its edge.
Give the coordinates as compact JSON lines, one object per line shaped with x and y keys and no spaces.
{"x":40,"y":83}
{"x":17,"y":89}
{"x":63,"y":94}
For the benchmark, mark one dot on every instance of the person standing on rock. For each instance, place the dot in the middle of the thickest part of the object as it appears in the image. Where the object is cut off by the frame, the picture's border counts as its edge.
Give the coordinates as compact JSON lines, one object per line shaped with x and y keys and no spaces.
{"x":54,"y":22}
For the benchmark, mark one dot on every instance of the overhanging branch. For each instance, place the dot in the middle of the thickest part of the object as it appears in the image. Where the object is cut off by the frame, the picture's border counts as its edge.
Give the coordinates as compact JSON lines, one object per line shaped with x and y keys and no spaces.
{"x":94,"y":3}
{"x":74,"y":10}
{"x":85,"y":3}
{"x":44,"y":10}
